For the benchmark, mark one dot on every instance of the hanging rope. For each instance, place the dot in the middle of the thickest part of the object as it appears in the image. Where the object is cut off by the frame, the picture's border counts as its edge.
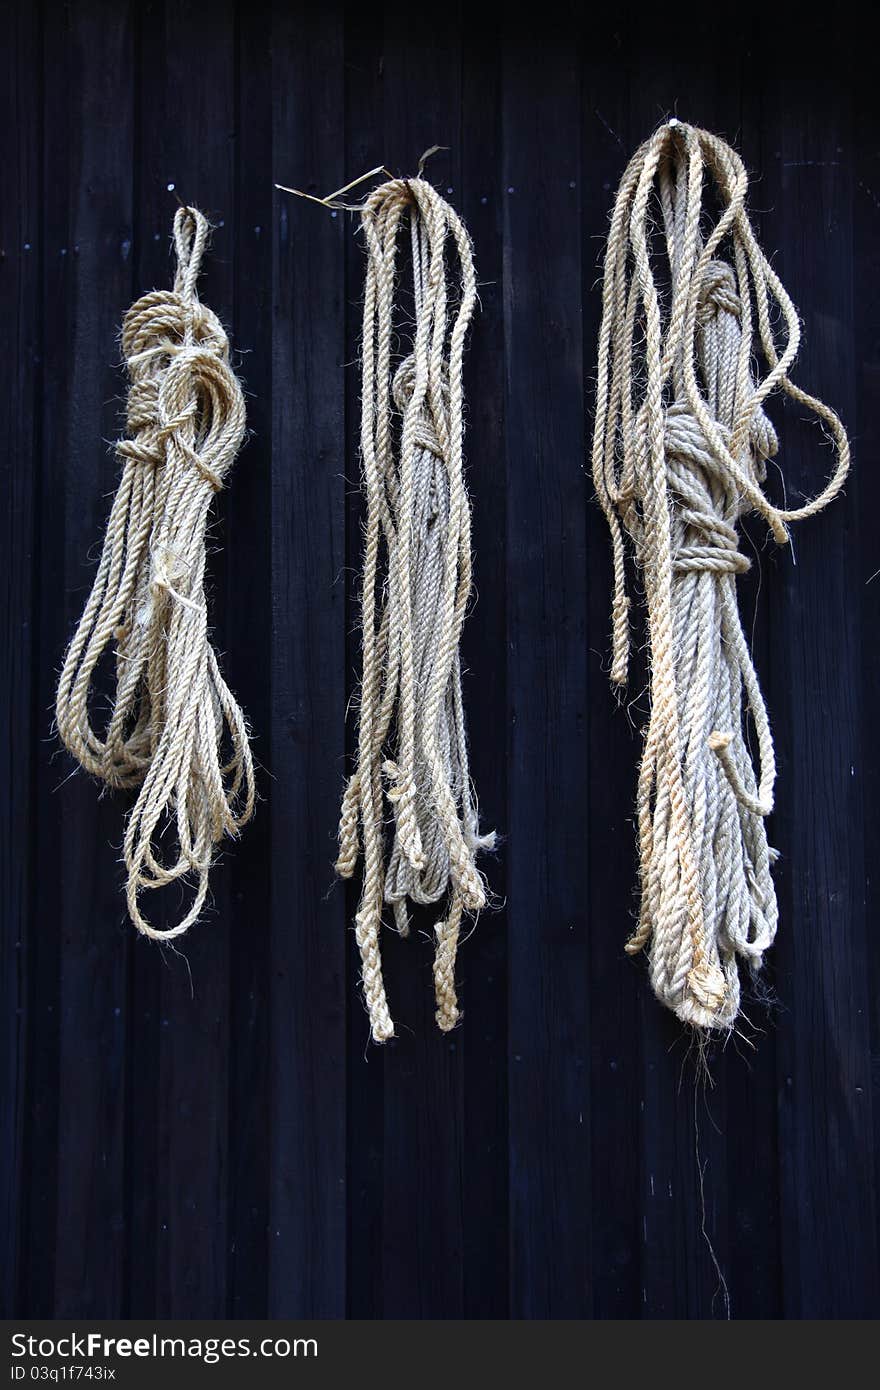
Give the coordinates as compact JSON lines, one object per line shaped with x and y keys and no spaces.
{"x":680,"y":450}
{"x":412,"y":749}
{"x":174,"y":730}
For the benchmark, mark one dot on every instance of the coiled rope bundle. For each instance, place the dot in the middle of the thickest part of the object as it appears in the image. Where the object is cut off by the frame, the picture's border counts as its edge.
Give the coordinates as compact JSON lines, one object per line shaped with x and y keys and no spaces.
{"x":680,"y":450}
{"x":412,"y":747}
{"x":175,"y":730}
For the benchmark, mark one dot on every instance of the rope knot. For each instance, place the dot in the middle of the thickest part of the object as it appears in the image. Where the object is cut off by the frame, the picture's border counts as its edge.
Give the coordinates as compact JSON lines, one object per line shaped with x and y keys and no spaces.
{"x":402,"y":389}
{"x":707,"y":508}
{"x":718,"y":292}
{"x":160,"y":324}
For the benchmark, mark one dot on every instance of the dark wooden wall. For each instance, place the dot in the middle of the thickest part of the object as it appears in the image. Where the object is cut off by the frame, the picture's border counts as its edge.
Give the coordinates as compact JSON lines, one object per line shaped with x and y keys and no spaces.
{"x":212,"y":1135}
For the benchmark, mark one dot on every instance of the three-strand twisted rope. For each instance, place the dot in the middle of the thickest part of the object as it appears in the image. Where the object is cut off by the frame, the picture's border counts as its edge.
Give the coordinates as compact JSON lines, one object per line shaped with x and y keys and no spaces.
{"x":412,"y":747}
{"x":680,"y":449}
{"x":174,"y":730}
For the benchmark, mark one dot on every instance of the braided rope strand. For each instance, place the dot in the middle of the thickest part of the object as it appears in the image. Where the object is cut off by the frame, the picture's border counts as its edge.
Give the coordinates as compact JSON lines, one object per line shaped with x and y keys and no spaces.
{"x":174,"y":730}
{"x":412,"y":748}
{"x":680,"y":449}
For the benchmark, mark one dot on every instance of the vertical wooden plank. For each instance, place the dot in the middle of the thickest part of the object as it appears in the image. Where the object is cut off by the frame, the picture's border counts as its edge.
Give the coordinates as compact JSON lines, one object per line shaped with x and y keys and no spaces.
{"x":88,"y":131}
{"x":153,"y":265}
{"x":614,"y":983}
{"x":826,"y":1125}
{"x":546,"y":671}
{"x":249,"y":635}
{"x":753,"y":1259}
{"x":36,"y":1293}
{"x":684,"y":1182}
{"x":195,"y":1018}
{"x":423,"y":1085}
{"x":21,"y":347}
{"x":187,"y":116}
{"x":363,"y":52}
{"x":308,"y":1035}
{"x":484,"y":648}
{"x":865,"y":494}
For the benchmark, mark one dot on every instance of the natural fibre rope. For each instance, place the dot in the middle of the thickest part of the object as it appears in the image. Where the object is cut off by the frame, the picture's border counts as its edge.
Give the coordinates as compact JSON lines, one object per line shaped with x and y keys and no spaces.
{"x":680,"y":450}
{"x":174,"y":729}
{"x":416,"y":584}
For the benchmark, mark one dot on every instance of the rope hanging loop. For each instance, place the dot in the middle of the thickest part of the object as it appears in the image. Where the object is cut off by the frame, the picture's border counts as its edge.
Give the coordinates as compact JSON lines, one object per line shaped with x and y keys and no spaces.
{"x":680,"y":450}
{"x":412,"y":757}
{"x":175,"y":732}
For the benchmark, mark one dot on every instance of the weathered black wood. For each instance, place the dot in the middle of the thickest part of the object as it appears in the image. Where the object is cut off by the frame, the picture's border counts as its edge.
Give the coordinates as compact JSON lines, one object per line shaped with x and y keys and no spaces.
{"x":364,"y":139}
{"x":20,"y":240}
{"x":237,"y":1147}
{"x":424,"y":1142}
{"x":483,"y":966}
{"x":616,"y":1155}
{"x":682,"y":1130}
{"x":752,"y":1265}
{"x":548,"y":892}
{"x":308,"y":986}
{"x":88,"y":118}
{"x":866,"y":307}
{"x":829,"y":1238}
{"x":187,"y":122}
{"x":248,"y":648}
{"x":146,"y":1232}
